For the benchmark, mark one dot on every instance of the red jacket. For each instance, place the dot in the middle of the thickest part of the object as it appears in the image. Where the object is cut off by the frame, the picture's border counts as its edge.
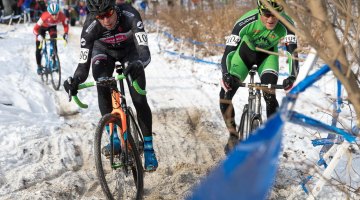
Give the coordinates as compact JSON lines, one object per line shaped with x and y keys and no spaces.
{"x":46,"y":20}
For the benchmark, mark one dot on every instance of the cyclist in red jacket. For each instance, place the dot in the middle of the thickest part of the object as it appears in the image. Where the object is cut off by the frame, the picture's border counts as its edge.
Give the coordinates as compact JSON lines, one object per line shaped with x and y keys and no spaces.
{"x":48,"y":22}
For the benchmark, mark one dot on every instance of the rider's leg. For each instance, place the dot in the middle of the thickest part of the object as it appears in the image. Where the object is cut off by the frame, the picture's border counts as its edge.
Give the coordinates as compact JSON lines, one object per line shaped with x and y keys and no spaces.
{"x":143,"y":111}
{"x":38,"y":57}
{"x":144,"y":117}
{"x":228,"y":113}
{"x":53,"y":34}
{"x":268,"y":71}
{"x":103,"y":66}
{"x":38,"y":52}
{"x":238,"y":67}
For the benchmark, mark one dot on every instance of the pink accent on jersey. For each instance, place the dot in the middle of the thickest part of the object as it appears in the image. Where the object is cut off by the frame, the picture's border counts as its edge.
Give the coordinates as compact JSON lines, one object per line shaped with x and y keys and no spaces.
{"x":113,"y":40}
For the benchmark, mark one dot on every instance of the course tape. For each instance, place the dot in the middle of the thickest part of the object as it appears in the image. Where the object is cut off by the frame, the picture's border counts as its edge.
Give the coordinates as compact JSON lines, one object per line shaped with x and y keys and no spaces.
{"x":191,"y":58}
{"x":249,"y":171}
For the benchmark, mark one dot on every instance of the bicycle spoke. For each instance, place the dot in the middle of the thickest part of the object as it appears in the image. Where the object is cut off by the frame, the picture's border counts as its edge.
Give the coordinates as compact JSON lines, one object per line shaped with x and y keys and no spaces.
{"x":123,"y":178}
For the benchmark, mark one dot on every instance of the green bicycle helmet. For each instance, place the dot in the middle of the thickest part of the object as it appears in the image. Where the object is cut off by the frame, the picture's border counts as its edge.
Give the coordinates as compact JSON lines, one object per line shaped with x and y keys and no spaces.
{"x":273,"y":3}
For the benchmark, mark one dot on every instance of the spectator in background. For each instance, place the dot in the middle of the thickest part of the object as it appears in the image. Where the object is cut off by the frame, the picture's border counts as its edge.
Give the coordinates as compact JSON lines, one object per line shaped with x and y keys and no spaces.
{"x":154,"y":5}
{"x":82,"y":12}
{"x":25,"y":8}
{"x":39,"y":8}
{"x":8,"y":7}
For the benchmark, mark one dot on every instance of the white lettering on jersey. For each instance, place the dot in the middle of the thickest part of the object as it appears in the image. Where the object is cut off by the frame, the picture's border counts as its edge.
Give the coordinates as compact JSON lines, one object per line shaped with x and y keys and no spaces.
{"x":140,"y":25}
{"x":82,"y":42}
{"x":290,"y":39}
{"x":91,"y":26}
{"x":141,"y":38}
{"x":127,"y":13}
{"x":232,"y":40}
{"x":83,"y":55}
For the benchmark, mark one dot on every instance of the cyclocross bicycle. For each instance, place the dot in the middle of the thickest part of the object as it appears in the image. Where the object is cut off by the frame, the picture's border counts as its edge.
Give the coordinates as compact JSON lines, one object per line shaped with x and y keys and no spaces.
{"x":120,"y":175}
{"x":50,"y":62}
{"x":251,"y":117}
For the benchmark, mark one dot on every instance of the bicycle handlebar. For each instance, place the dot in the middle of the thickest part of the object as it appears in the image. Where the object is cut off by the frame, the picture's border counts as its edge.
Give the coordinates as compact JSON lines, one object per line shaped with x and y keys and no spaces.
{"x":49,"y":39}
{"x":135,"y":84}
{"x":260,"y":85}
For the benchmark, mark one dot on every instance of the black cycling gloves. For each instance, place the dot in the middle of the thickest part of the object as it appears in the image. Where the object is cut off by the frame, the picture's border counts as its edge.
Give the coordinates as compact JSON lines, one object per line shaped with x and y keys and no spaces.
{"x":288,"y":82}
{"x":227,"y":81}
{"x":71,"y":85}
{"x":135,"y":69}
{"x":66,"y":36}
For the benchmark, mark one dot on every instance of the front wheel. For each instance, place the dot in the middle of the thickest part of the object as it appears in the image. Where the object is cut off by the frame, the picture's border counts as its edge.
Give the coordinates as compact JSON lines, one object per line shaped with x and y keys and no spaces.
{"x":255,"y":123}
{"x":135,"y":131}
{"x":56,"y":72}
{"x":121,"y":176}
{"x":244,"y":124}
{"x":44,"y":75}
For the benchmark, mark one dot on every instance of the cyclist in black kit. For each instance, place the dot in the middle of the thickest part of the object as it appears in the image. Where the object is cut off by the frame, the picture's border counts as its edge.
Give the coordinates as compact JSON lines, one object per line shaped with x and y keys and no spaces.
{"x":116,"y":33}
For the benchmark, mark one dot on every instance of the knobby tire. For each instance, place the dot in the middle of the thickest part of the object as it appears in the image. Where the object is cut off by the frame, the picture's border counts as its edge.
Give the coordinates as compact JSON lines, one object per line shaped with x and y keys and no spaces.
{"x":244,"y":117}
{"x":56,"y":75}
{"x":135,"y":131}
{"x":136,"y":168}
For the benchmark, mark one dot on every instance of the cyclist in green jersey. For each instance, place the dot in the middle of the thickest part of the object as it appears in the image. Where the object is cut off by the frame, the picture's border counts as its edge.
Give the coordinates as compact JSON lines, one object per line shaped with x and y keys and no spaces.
{"x":257,"y":28}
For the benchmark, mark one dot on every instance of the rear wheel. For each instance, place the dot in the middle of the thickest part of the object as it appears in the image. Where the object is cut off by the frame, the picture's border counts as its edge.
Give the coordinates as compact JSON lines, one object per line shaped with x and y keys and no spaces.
{"x":122,"y":179}
{"x":244,"y":124}
{"x":56,"y":72}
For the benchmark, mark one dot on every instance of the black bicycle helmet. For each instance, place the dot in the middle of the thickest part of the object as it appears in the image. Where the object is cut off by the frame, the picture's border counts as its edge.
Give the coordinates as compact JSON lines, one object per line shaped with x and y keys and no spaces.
{"x":99,"y":6}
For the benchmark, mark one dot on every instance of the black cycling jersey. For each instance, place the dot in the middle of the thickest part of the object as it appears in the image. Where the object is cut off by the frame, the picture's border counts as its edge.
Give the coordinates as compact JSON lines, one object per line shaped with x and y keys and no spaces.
{"x":128,"y":34}
{"x":127,"y":42}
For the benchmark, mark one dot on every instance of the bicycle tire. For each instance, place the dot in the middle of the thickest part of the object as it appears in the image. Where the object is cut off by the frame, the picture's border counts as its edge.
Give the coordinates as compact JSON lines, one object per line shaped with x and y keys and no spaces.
{"x":255,"y":123}
{"x":135,"y":131}
{"x":244,"y":117}
{"x":44,"y":76}
{"x":56,"y":72}
{"x":116,"y":182}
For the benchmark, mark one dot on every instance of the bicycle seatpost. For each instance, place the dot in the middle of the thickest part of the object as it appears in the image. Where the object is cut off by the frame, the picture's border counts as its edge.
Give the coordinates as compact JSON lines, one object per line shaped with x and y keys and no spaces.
{"x":252,"y":73}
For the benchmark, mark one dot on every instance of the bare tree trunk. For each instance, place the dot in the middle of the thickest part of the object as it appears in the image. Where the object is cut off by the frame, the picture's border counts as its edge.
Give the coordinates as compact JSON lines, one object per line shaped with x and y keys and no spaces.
{"x":336,"y":52}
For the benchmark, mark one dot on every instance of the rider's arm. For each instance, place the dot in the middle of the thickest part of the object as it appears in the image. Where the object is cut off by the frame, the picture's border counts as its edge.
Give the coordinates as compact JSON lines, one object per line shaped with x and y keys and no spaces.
{"x":64,"y":21}
{"x":233,"y":40}
{"x":40,"y":22}
{"x":139,"y":35}
{"x":88,"y":36}
{"x":232,"y":43}
{"x":291,"y":45}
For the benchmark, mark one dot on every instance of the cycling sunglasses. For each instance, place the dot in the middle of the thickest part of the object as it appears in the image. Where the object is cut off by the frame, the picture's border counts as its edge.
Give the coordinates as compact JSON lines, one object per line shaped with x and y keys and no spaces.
{"x":266,"y":13}
{"x":106,"y":14}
